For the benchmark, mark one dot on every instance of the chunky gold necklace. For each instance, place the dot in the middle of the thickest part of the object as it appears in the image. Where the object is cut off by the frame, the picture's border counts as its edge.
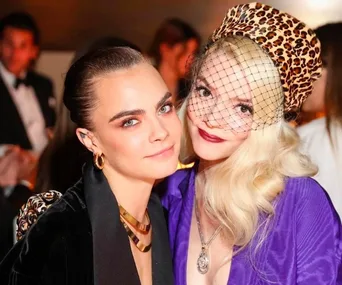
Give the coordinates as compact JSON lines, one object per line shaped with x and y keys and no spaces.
{"x":134,"y":238}
{"x":140,"y":227}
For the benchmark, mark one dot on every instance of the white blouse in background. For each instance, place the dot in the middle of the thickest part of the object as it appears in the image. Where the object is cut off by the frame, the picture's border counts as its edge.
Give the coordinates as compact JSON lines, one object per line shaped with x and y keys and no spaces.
{"x":316,"y":143}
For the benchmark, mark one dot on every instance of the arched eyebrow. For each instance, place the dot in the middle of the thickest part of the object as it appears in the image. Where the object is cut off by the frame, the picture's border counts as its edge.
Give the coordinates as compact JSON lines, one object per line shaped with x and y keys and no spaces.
{"x":163,"y":100}
{"x":205,"y":81}
{"x":137,"y":112}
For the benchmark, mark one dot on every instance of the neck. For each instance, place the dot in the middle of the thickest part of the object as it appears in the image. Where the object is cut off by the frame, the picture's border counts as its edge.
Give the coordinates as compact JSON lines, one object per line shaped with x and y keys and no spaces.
{"x":206,"y":165}
{"x":169,"y":76}
{"x":209,"y":224}
{"x":204,"y":168}
{"x":131,"y":193}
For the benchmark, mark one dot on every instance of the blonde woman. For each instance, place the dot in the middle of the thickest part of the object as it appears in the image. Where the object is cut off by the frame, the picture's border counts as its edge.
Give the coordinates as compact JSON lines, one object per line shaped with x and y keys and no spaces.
{"x":247,"y":212}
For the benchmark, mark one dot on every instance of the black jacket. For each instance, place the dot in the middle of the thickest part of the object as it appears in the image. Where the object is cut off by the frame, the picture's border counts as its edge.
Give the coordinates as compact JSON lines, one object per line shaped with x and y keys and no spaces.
{"x":80,"y":240}
{"x":12,"y":129}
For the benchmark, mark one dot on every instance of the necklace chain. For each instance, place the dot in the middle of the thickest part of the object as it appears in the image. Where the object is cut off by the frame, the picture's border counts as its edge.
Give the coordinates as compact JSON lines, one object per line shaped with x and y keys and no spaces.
{"x":217,"y":231}
{"x":203,"y":261}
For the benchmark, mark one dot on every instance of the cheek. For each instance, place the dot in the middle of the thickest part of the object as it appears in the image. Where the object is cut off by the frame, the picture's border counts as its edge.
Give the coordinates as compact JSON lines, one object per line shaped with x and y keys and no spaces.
{"x":234,"y":141}
{"x":315,"y":102}
{"x":26,"y":54}
{"x":123,"y":143}
{"x":193,"y":112}
{"x":6,"y":51}
{"x":182,"y":64}
{"x":176,"y":126}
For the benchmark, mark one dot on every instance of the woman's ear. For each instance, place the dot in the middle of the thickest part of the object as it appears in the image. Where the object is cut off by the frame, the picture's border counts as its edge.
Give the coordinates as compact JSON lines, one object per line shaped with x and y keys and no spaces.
{"x":88,"y":139}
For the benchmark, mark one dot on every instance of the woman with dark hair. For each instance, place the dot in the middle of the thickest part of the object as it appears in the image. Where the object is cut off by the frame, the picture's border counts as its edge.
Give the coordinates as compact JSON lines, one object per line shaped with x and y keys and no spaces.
{"x":322,"y":137}
{"x":52,"y":171}
{"x":108,"y":228}
{"x":171,"y":50}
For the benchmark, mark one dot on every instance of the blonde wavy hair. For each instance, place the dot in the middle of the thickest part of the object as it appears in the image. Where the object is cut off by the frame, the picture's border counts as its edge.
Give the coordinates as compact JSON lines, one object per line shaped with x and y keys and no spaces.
{"x":244,"y":186}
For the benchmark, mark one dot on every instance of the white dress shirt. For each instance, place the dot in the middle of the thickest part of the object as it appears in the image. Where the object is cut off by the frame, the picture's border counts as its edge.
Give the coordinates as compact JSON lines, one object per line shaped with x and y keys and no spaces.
{"x":317,"y":145}
{"x":27,"y":104}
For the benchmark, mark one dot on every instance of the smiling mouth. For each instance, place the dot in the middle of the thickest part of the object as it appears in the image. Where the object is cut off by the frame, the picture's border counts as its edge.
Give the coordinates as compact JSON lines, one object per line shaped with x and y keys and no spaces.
{"x":210,"y":138}
{"x":166,"y":152}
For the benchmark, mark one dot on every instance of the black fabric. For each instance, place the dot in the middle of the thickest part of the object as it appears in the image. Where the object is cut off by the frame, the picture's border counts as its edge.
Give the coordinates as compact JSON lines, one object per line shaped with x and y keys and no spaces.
{"x":12,"y":129}
{"x":9,"y":208}
{"x":79,"y":240}
{"x":19,"y":81}
{"x":7,"y":214}
{"x":109,"y":238}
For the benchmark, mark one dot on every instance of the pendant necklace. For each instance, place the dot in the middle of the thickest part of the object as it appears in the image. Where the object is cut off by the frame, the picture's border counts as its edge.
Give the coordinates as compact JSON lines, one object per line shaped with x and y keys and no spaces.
{"x":203,"y":260}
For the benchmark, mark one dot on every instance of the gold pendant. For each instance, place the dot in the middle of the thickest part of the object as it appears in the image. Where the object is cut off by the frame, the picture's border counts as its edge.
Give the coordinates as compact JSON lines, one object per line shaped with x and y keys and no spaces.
{"x":203,"y":261}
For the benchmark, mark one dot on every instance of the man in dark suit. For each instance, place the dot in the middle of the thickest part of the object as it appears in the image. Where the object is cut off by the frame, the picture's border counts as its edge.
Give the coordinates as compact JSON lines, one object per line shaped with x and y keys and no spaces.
{"x":26,"y":107}
{"x":19,"y":48}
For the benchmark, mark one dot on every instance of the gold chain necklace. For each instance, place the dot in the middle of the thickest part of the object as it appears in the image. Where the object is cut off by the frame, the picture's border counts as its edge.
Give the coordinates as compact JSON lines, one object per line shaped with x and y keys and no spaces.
{"x":203,"y":260}
{"x":144,"y":229}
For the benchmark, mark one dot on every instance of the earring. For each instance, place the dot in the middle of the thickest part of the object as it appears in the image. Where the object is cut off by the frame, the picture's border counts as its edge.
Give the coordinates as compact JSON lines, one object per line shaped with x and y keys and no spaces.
{"x":99,"y":161}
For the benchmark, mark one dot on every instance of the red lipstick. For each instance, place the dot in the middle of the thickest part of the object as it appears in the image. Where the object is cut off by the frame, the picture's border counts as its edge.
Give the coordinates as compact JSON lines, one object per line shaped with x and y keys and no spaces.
{"x":209,"y":137}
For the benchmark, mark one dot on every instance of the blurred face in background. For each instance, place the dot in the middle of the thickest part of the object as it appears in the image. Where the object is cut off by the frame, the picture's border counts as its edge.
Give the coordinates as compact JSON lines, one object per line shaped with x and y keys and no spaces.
{"x":186,"y":58}
{"x":179,"y":56}
{"x":17,"y":49}
{"x":315,"y":102}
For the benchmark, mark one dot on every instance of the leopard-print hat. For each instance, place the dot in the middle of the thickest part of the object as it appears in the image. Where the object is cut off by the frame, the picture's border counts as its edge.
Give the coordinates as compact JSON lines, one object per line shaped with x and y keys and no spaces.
{"x":292,"y":46}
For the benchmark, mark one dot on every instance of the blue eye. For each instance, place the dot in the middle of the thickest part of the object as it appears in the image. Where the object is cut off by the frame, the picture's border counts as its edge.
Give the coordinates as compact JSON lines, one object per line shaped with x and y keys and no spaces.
{"x":166,"y":108}
{"x":130,"y":123}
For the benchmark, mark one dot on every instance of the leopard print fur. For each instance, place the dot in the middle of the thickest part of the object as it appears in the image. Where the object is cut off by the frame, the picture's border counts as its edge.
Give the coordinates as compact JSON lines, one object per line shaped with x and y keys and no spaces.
{"x":293,"y":47}
{"x":33,"y":209}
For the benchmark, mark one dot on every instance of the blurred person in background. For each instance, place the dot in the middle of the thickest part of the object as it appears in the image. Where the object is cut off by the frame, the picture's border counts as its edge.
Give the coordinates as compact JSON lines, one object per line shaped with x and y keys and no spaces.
{"x":27,"y":100}
{"x":171,"y":51}
{"x":27,"y":112}
{"x":322,"y":137}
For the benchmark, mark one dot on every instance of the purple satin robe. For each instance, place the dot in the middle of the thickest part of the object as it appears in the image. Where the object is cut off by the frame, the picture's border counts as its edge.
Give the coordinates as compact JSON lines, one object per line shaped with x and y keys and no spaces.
{"x":304,"y":244}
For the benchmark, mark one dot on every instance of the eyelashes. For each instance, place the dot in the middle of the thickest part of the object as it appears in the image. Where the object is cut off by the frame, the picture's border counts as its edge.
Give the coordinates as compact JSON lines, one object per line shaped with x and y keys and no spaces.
{"x":245,"y":108}
{"x":203,"y":91}
{"x":167,"y":108}
{"x":241,"y":107}
{"x":129,"y":123}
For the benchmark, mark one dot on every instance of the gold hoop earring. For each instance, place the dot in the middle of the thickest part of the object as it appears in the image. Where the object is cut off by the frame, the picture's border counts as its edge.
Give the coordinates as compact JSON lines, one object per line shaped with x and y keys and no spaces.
{"x":99,"y":161}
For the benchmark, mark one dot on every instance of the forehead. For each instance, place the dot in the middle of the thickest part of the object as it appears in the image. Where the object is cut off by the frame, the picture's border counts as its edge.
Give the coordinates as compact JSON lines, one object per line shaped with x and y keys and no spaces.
{"x":17,"y":34}
{"x":139,"y":87}
{"x":223,"y":71}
